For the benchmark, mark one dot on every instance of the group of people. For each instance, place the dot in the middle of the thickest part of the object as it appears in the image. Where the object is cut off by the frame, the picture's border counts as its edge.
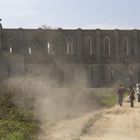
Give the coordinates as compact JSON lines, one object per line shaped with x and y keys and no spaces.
{"x":132,"y":91}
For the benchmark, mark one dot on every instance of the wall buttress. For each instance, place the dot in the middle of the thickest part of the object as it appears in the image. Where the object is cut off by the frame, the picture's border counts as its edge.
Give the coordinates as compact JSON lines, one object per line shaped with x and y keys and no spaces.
{"x":117,"y":46}
{"x":98,"y":45}
{"x":79,"y":44}
{"x":135,"y":42}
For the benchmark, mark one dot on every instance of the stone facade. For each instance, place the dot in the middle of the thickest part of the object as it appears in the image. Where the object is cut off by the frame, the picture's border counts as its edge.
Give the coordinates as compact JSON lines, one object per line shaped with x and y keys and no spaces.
{"x":0,"y":52}
{"x":103,"y":57}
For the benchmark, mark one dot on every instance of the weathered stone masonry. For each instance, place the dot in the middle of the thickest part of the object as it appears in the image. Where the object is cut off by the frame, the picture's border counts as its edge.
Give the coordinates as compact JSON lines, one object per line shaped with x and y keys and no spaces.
{"x":0,"y":52}
{"x":103,"y":56}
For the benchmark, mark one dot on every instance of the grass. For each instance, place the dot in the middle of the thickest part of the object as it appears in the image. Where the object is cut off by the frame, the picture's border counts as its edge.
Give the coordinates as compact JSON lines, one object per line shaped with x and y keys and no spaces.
{"x":16,"y":122}
{"x":108,"y":100}
{"x":105,"y":97}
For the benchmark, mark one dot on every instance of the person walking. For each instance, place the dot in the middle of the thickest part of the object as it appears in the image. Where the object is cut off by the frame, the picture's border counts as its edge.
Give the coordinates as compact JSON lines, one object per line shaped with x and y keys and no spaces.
{"x":137,"y":91}
{"x":132,"y":96}
{"x":120,"y":93}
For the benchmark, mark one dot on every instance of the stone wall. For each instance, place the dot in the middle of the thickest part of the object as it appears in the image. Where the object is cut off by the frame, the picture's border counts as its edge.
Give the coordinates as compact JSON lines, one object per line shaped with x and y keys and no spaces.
{"x":0,"y":52}
{"x":100,"y":57}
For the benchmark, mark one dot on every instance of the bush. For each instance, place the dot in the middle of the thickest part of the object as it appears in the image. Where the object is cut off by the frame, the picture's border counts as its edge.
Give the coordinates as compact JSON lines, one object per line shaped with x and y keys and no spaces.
{"x":16,"y":123}
{"x":107,"y":98}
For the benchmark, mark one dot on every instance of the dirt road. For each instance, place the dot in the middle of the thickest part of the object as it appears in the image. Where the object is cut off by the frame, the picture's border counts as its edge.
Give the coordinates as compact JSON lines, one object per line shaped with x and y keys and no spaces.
{"x":117,"y":123}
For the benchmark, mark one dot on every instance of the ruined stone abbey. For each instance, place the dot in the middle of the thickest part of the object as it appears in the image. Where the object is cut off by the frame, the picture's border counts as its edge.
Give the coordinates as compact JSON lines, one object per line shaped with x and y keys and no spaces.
{"x":103,"y":57}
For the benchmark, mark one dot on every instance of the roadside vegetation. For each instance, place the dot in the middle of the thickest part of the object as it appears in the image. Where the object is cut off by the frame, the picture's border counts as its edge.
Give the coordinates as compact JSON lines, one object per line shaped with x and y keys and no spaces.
{"x":107,"y":99}
{"x":16,"y":122}
{"x":104,"y":97}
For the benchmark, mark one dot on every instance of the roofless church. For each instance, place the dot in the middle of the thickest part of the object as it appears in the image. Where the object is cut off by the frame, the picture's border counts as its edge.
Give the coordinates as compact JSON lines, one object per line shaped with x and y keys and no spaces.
{"x":102,"y":57}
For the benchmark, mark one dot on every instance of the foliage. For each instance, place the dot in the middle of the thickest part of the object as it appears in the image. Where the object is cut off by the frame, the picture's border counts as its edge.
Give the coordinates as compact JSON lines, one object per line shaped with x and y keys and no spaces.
{"x":107,"y":98}
{"x":16,"y":122}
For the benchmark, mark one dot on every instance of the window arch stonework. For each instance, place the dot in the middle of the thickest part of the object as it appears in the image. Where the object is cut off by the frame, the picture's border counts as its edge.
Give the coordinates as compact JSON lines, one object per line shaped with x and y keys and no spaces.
{"x":125,"y":46}
{"x":69,"y":45}
{"x":89,"y":45}
{"x":107,"y":46}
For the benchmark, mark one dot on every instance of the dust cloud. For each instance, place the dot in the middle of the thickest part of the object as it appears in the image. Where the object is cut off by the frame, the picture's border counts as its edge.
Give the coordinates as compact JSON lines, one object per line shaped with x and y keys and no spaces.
{"x":52,"y":103}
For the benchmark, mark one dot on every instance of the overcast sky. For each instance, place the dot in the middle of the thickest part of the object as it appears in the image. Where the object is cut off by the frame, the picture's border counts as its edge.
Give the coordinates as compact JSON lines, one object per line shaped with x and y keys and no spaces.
{"x":70,"y":13}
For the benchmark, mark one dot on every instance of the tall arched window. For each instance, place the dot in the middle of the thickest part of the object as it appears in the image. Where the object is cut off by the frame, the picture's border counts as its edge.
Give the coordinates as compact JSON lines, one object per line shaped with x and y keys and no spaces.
{"x":30,"y":50}
{"x":50,"y":48}
{"x":125,"y":46}
{"x":11,"y":49}
{"x":107,"y":46}
{"x":89,"y":45}
{"x":69,"y":46}
{"x":111,"y":73}
{"x":10,"y":44}
{"x":131,"y":73}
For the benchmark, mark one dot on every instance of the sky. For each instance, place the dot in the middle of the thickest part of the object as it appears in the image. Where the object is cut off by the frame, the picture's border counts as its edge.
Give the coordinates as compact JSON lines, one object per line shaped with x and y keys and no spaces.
{"x":73,"y":14}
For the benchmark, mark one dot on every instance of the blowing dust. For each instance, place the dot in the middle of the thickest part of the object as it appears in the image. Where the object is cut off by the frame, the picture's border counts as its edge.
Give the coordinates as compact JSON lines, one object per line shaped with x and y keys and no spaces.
{"x":52,"y":103}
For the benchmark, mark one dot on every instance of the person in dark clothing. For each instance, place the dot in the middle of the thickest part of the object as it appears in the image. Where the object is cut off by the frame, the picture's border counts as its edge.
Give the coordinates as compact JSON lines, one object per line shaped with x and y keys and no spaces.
{"x":120,"y":93}
{"x":132,"y":96}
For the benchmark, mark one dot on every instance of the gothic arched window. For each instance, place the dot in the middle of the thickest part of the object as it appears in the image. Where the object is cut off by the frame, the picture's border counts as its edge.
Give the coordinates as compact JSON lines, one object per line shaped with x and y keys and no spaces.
{"x":30,"y":50}
{"x":130,"y":73}
{"x":11,"y":44}
{"x":111,"y":73}
{"x":50,"y":48}
{"x":89,"y":46}
{"x":125,"y":46}
{"x":11,"y":49}
{"x":69,"y":46}
{"x":106,"y":45}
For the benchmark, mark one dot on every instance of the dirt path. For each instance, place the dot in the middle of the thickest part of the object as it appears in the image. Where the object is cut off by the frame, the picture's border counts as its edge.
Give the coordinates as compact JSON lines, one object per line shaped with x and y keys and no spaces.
{"x":68,"y":129}
{"x":117,"y":123}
